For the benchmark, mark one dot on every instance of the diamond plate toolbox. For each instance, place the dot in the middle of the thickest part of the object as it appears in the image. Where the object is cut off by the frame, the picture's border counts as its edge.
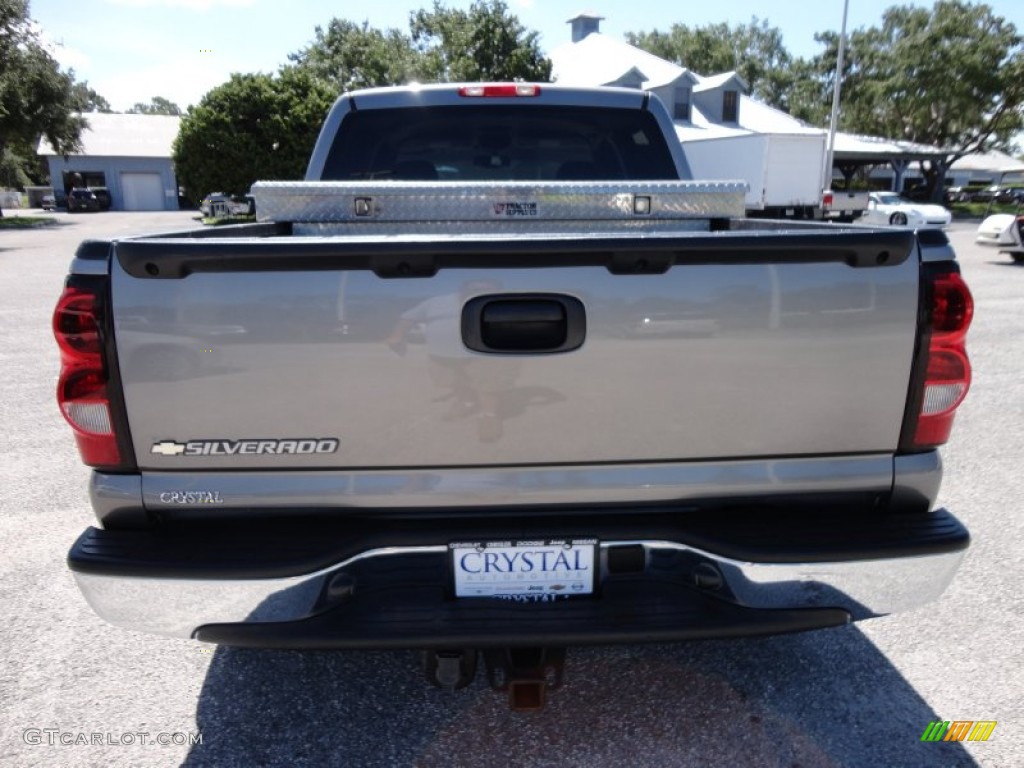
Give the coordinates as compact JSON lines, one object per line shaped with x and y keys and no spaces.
{"x":433,"y":201}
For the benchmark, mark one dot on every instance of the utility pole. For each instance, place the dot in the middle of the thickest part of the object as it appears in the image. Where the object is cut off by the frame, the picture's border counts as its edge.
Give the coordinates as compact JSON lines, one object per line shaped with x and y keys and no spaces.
{"x":827,"y":175}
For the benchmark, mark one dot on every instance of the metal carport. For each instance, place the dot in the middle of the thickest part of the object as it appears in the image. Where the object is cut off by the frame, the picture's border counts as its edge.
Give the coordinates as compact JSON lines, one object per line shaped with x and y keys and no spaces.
{"x":853,"y":152}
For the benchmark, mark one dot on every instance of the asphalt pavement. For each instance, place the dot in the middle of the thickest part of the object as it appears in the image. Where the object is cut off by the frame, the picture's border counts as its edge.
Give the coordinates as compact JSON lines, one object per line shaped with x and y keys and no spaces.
{"x":76,"y":691}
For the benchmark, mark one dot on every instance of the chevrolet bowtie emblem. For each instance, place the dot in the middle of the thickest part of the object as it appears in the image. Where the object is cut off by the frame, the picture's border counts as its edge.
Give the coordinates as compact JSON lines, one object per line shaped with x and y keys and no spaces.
{"x":168,"y":448}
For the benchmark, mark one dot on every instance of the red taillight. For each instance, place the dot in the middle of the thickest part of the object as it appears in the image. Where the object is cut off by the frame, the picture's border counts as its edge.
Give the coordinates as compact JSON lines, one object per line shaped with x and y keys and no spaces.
{"x":826,"y":201}
{"x":505,"y":90}
{"x":952,"y":306}
{"x":82,"y":388}
{"x":948,"y":373}
{"x":75,"y":323}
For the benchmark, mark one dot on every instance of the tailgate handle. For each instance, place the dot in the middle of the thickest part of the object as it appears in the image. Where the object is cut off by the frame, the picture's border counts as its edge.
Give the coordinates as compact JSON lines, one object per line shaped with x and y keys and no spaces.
{"x":524,"y":324}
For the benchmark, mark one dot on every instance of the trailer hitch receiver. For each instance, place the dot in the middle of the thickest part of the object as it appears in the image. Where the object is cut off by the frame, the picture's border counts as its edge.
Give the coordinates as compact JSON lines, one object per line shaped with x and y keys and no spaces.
{"x":526,"y":674}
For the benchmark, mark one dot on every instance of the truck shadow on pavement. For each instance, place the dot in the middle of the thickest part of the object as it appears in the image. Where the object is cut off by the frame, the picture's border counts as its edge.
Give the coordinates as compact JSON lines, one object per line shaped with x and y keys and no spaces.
{"x":824,"y":698}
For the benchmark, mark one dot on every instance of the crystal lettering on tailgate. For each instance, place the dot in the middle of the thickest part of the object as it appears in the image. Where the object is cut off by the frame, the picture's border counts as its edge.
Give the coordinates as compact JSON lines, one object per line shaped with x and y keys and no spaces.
{"x":189,"y":498}
{"x":297,"y":446}
{"x":515,"y":209}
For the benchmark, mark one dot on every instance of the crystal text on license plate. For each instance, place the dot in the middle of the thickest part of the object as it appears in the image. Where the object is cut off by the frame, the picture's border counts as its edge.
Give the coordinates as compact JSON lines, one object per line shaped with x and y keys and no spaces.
{"x":550,"y":568}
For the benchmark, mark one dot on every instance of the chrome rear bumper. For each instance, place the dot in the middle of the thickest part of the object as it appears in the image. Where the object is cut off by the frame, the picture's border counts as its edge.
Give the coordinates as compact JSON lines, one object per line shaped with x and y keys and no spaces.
{"x":179,"y":606}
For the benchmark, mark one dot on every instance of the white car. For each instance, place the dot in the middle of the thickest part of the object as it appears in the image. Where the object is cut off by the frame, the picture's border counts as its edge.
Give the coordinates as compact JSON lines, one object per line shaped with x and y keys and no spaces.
{"x":1005,"y":232}
{"x":890,"y":208}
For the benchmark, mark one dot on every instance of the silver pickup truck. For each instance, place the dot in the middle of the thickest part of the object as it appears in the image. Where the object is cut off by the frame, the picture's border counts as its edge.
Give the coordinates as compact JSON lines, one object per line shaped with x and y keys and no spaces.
{"x":497,"y":376}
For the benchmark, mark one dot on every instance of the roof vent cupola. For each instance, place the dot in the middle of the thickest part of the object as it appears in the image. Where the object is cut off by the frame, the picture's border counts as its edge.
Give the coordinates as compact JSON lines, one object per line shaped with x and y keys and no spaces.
{"x":584,"y":24}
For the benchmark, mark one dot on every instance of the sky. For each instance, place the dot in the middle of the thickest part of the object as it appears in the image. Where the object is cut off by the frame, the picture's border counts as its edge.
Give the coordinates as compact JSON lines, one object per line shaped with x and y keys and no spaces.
{"x":132,"y":50}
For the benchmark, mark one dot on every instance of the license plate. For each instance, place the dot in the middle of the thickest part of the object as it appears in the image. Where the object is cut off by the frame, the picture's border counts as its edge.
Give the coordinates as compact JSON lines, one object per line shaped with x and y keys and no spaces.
{"x":544,"y":569}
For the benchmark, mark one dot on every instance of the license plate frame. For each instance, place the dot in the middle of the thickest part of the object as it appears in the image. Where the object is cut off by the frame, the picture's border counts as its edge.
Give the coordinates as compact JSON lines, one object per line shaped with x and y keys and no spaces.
{"x":535,"y":570}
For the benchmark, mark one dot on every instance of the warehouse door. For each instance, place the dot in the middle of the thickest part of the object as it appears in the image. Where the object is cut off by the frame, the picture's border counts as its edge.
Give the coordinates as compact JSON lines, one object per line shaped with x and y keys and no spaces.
{"x":142,"y":192}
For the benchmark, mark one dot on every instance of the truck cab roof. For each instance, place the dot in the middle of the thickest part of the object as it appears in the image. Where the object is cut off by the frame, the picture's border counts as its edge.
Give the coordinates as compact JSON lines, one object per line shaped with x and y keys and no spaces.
{"x":492,"y":131}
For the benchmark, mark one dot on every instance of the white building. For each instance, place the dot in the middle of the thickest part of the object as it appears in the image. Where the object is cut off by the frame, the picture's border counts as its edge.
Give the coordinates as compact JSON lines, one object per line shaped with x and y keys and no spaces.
{"x":985,"y":168}
{"x":128,"y":154}
{"x":725,"y":133}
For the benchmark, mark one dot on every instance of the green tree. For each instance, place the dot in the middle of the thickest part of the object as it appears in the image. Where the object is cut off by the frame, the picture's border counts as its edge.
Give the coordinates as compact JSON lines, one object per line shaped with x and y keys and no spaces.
{"x":951,"y":76}
{"x":158,"y":105}
{"x":482,"y":43}
{"x":88,"y":100}
{"x":36,"y":97}
{"x":12,"y":169}
{"x":810,"y":96}
{"x":20,"y":165}
{"x":351,"y":56}
{"x":251,"y":127}
{"x":753,"y":50}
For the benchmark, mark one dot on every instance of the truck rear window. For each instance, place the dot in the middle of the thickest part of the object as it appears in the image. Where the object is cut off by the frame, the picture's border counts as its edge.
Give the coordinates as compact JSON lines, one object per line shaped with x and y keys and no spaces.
{"x":499,"y":143}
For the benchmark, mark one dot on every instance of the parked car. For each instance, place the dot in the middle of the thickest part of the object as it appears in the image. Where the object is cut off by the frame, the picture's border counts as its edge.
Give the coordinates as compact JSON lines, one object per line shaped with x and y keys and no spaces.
{"x":984,"y":194}
{"x":48,"y":203}
{"x":957,"y":195}
{"x":83,"y":199}
{"x":236,"y":206}
{"x":890,"y":208}
{"x":1004,"y":231}
{"x":103,"y":195}
{"x":204,"y":204}
{"x":1010,"y":195}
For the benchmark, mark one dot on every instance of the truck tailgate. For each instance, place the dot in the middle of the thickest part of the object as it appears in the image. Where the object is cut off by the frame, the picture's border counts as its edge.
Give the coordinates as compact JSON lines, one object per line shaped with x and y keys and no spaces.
{"x":265,"y":353}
